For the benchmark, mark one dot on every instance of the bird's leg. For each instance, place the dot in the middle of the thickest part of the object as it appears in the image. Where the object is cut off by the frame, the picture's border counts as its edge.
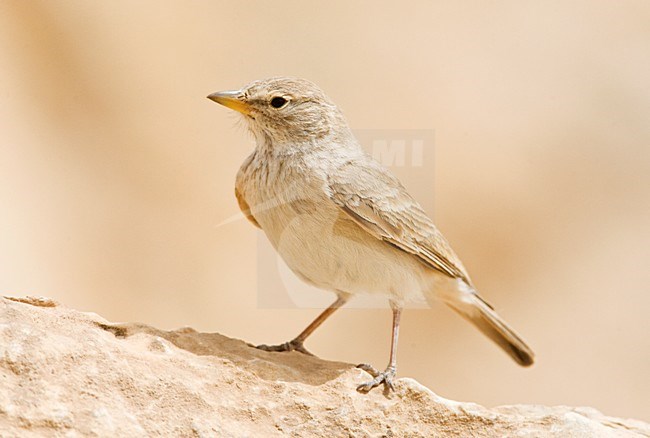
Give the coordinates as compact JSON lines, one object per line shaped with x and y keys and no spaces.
{"x":385,"y":377}
{"x":297,"y":343}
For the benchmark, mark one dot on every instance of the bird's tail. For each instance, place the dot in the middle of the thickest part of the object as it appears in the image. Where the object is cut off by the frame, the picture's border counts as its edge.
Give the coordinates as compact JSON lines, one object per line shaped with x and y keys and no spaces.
{"x":477,"y":311}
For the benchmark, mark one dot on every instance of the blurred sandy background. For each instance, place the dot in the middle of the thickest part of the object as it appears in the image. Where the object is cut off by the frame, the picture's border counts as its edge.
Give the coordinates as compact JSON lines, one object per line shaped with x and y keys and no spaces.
{"x":115,"y":170}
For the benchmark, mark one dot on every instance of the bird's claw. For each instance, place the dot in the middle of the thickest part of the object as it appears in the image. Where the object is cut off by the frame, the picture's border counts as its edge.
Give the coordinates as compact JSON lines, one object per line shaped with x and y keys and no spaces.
{"x":385,"y":377}
{"x":368,"y":369}
{"x":294,"y":345}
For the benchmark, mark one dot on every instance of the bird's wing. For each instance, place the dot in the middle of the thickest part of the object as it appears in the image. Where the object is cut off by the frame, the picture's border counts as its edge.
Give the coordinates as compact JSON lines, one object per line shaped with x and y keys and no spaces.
{"x":243,"y":206}
{"x":378,"y":202}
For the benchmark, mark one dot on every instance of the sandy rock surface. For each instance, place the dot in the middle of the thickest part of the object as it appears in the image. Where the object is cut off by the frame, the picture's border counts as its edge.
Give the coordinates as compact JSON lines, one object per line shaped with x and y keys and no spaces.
{"x":68,"y":373}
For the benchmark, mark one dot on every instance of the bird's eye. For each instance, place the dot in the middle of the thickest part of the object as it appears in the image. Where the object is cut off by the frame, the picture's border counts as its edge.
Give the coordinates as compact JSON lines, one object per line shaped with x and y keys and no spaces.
{"x":278,"y":102}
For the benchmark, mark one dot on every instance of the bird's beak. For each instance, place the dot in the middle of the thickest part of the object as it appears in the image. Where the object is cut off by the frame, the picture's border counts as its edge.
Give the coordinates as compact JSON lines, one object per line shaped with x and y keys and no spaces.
{"x":231,"y":99}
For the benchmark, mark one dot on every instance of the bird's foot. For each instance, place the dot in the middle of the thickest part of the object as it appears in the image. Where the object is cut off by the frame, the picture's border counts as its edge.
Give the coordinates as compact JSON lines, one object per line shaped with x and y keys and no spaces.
{"x":295,"y":345}
{"x":385,"y":377}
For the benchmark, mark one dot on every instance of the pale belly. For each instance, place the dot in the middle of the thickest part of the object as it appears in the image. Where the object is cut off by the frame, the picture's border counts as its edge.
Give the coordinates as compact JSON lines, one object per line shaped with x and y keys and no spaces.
{"x":327,"y":249}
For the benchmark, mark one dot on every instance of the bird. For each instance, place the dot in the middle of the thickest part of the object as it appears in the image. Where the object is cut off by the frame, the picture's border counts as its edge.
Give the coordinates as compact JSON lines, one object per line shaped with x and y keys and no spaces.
{"x":341,"y":221}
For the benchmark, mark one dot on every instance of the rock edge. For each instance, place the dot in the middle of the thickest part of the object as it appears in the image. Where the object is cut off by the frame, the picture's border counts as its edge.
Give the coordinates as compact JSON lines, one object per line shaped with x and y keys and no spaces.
{"x":70,"y":373}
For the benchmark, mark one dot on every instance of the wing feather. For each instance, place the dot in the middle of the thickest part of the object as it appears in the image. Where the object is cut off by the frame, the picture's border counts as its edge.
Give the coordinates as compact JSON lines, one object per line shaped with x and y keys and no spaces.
{"x":245,"y":209}
{"x":378,"y":202}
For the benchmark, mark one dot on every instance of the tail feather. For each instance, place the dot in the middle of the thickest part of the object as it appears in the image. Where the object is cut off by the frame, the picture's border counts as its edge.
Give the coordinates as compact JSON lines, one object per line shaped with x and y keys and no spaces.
{"x":482,"y":315}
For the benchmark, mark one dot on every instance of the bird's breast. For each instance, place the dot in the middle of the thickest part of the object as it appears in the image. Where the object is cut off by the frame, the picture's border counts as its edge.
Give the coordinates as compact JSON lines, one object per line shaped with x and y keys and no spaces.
{"x":317,"y":240}
{"x":282,"y":195}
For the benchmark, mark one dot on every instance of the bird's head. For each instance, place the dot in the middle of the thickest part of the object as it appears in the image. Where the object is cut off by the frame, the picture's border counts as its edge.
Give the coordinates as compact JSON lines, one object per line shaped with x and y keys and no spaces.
{"x":283,"y":111}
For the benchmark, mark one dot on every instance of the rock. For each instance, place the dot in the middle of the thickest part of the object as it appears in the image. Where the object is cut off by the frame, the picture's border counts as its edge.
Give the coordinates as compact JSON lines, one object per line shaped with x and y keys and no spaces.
{"x":68,"y":373}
